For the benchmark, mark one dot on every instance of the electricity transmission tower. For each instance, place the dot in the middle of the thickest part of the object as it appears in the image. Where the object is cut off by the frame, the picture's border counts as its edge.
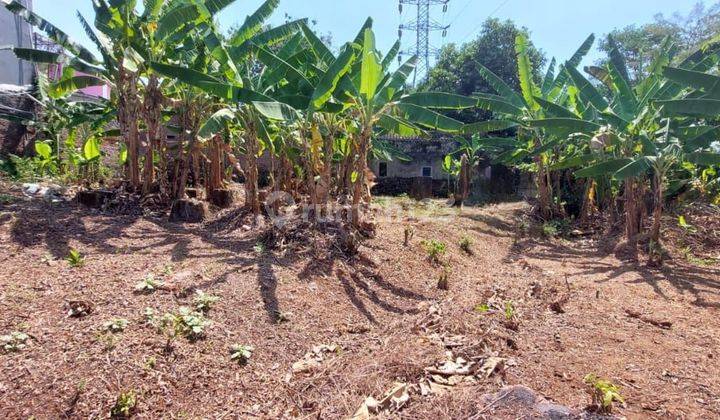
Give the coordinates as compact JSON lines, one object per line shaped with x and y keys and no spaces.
{"x":423,"y":26}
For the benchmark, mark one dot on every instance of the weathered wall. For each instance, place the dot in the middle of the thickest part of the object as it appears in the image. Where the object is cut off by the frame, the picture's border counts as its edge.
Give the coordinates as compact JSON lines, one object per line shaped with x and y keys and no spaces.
{"x":412,"y":169}
{"x":16,"y":32}
{"x":14,"y":100}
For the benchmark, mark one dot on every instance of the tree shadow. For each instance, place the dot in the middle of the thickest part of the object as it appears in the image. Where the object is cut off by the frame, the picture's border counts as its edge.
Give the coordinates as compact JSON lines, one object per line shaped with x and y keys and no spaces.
{"x":699,"y":282}
{"x":55,"y":226}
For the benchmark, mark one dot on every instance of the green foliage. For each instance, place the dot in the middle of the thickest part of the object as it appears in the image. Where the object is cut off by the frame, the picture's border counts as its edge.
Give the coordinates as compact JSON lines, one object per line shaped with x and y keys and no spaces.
{"x":7,"y":199}
{"x":509,"y":310}
{"x":435,"y":249}
{"x":14,"y":342}
{"x":259,"y":248}
{"x":466,"y":244}
{"x":241,"y":354}
{"x":75,"y":259}
{"x":685,"y":225}
{"x":124,"y":405}
{"x":604,"y":393}
{"x":184,"y":323}
{"x":482,"y":308}
{"x":203,"y":302}
{"x":149,"y":284}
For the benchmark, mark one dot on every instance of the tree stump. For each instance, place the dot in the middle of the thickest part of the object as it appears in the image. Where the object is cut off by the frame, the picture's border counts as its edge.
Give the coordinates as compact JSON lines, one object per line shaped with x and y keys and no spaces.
{"x":222,"y":198}
{"x":188,"y":211}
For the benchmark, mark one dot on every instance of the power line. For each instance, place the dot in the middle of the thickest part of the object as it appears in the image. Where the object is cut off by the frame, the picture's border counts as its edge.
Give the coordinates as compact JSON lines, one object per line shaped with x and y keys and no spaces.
{"x":497,"y":9}
{"x":460,"y":12}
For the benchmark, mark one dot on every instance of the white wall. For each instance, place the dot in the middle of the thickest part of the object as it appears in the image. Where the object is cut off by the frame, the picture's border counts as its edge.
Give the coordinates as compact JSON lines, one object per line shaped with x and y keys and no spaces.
{"x":16,"y":32}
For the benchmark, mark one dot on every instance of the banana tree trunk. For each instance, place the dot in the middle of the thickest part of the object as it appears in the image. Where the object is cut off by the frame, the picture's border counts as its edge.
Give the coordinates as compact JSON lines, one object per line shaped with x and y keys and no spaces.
{"x":463,"y":190}
{"x":362,"y":149}
{"x":309,"y":166}
{"x":633,"y":218}
{"x":656,"y":256}
{"x":127,"y":118}
{"x":153,"y":103}
{"x":215,"y":178}
{"x":544,"y":190}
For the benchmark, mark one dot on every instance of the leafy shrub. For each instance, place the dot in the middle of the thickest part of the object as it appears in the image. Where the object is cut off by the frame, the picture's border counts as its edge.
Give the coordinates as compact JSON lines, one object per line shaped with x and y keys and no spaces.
{"x":116,"y":325}
{"x":148,"y":284}
{"x":466,"y":244}
{"x":203,"y":302}
{"x":241,"y":354}
{"x":435,"y":249}
{"x":15,"y":341}
{"x":550,"y":229}
{"x":75,"y":259}
{"x":124,"y":405}
{"x":603,"y":392}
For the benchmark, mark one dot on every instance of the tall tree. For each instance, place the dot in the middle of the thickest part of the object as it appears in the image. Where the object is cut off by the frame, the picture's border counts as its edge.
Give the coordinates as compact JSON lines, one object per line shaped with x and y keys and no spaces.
{"x":458,"y":67}
{"x":640,"y":45}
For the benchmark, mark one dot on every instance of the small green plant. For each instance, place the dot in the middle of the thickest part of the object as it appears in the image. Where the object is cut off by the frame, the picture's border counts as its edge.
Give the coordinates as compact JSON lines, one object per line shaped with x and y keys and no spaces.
{"x":149,"y":315}
{"x":150,"y":362}
{"x":550,"y":229}
{"x":603,"y":392}
{"x":184,"y":323}
{"x":124,"y":405}
{"x":75,"y":259}
{"x":7,"y":199}
{"x":466,"y":244}
{"x":168,"y":269}
{"x":203,"y":302}
{"x":259,"y":248}
{"x":116,"y":325}
{"x":685,"y":225}
{"x":435,"y":249}
{"x":149,"y":284}
{"x":241,"y":354}
{"x":509,"y":310}
{"x":482,"y":308}
{"x":13,"y":342}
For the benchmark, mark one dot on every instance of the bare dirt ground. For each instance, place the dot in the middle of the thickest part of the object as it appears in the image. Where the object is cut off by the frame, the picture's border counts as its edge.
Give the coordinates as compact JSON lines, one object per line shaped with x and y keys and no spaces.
{"x":570,"y":305}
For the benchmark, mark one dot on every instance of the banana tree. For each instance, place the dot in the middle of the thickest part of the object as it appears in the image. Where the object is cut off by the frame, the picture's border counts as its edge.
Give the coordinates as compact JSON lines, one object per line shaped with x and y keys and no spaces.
{"x":521,"y":110}
{"x":375,"y":97}
{"x":469,"y":160}
{"x":625,"y":143}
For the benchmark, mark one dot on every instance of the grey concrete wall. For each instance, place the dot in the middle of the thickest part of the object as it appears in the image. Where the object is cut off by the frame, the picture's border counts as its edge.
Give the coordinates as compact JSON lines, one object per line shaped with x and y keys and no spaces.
{"x":16,"y":32}
{"x":412,"y":169}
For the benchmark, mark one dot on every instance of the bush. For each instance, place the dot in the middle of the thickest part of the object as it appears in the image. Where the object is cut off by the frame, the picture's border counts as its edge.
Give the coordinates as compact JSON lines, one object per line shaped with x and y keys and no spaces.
{"x":435,"y":249}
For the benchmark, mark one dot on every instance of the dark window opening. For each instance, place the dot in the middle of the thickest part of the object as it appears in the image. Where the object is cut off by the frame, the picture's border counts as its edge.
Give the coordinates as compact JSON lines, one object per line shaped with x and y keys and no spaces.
{"x":382,"y":169}
{"x":427,"y":172}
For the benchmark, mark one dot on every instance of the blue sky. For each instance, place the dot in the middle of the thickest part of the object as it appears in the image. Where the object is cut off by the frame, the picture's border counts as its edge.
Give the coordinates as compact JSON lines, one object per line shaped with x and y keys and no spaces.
{"x":557,"y":26}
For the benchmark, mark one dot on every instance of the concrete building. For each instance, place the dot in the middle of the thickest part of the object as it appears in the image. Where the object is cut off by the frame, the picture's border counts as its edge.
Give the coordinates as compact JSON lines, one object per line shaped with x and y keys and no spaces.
{"x":14,"y":31}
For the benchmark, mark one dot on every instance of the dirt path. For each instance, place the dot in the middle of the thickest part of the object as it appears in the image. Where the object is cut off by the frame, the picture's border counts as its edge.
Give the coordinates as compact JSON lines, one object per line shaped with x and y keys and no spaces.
{"x":383,"y":311}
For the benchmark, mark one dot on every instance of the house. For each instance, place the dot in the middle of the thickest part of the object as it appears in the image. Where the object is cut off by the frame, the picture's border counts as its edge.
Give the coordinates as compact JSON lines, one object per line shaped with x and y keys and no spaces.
{"x":418,"y":170}
{"x":14,"y":31}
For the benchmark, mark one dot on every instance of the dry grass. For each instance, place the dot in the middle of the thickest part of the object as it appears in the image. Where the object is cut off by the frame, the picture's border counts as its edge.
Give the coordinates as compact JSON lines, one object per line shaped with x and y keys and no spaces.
{"x":376,"y":306}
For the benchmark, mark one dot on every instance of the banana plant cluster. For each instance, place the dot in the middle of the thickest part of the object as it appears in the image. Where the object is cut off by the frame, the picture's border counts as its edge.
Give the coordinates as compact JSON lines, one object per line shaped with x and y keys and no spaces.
{"x":619,"y":140}
{"x":276,"y":93}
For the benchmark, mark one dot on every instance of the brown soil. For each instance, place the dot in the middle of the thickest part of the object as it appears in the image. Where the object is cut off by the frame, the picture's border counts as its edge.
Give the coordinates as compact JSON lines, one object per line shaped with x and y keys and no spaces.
{"x":572,"y":307}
